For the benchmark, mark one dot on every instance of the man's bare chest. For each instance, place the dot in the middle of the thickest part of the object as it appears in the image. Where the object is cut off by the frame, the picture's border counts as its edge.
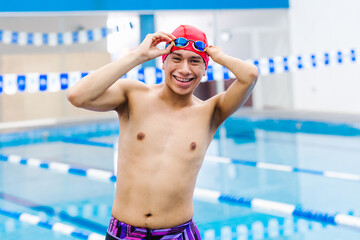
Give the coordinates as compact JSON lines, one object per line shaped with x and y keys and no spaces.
{"x":149,"y":124}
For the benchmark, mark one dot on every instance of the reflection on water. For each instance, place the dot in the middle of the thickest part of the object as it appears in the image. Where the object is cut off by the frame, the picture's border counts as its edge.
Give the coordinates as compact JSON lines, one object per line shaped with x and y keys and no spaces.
{"x":292,"y":148}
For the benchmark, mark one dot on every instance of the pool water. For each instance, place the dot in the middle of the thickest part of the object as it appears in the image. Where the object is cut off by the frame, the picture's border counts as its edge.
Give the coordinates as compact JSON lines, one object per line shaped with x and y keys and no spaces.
{"x":86,"y":204}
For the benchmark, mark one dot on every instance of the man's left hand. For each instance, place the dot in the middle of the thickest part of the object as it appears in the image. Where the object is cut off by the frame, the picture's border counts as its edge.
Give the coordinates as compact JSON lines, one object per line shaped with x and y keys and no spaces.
{"x":215,"y":53}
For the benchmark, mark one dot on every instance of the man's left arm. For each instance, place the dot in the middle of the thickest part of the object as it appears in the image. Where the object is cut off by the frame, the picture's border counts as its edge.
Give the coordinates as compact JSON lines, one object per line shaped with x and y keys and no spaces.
{"x":236,"y":95}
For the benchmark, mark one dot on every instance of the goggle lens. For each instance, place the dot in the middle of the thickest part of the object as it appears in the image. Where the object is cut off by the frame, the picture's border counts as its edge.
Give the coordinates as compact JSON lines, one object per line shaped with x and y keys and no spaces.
{"x":199,"y":46}
{"x":181,"y":42}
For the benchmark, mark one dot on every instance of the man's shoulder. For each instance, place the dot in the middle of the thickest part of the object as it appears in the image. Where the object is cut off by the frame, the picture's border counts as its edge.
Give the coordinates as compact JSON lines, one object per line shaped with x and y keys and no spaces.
{"x":205,"y":104}
{"x":213,"y":100}
{"x":132,"y":85}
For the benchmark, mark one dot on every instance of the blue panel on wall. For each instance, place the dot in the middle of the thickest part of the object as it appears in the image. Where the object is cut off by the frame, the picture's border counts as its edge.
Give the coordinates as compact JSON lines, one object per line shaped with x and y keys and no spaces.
{"x":147,"y":25}
{"x":103,"y":5}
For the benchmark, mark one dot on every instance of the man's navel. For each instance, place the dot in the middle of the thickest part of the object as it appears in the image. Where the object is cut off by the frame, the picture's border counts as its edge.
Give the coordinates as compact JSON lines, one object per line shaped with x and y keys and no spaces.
{"x":140,"y":136}
{"x":192,"y":146}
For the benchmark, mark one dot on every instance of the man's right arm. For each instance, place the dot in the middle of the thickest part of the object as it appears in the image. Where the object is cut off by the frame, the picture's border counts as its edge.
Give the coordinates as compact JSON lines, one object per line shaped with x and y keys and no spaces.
{"x":101,"y":90}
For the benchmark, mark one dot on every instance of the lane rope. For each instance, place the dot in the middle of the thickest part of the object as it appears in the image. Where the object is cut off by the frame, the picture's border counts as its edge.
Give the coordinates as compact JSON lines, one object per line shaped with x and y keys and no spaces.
{"x":106,"y":176}
{"x":255,"y":164}
{"x":53,"y":39}
{"x":56,"y":81}
{"x":283,"y":168}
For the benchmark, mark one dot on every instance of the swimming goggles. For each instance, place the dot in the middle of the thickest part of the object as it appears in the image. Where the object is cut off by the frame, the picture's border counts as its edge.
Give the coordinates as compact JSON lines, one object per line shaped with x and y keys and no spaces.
{"x":183,"y":42}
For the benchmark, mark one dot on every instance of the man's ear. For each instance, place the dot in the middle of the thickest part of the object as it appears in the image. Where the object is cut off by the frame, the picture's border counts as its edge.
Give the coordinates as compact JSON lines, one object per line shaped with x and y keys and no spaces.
{"x":164,"y":63}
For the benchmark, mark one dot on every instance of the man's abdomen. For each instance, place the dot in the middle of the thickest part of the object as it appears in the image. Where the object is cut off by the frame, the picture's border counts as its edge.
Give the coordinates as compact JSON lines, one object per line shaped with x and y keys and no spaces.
{"x":158,"y":197}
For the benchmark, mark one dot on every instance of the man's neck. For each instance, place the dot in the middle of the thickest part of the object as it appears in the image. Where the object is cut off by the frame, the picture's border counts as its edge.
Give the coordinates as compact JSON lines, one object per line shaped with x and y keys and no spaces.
{"x":175,"y":100}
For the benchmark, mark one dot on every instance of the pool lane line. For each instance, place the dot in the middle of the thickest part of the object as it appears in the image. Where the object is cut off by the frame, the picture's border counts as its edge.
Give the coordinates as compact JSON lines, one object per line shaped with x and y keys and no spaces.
{"x":284,"y":168}
{"x":98,"y":174}
{"x":51,"y":225}
{"x":260,"y":165}
{"x":272,"y":207}
{"x":63,"y":215}
{"x":256,"y":204}
{"x":91,"y":173}
{"x":84,"y":141}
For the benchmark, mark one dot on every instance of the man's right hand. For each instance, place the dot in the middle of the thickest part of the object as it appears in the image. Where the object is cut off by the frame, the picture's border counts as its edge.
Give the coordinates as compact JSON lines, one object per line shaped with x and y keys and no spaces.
{"x":100,"y":91}
{"x":148,"y":49}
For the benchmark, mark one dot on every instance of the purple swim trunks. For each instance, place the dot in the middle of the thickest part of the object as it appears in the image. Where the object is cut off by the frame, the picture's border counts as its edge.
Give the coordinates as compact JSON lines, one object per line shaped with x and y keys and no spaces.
{"x":120,"y":230}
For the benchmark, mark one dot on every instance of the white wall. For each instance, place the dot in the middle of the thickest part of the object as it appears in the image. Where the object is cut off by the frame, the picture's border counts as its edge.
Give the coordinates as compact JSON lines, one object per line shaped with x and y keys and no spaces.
{"x":307,"y":27}
{"x":325,"y":25}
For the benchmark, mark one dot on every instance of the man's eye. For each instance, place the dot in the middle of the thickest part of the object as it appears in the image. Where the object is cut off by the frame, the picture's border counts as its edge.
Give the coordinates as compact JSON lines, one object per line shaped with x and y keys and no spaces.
{"x":176,"y":59}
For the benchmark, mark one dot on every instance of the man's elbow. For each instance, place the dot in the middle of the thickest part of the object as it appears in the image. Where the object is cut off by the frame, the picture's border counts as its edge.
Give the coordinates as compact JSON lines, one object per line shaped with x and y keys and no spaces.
{"x":253,"y":75}
{"x":74,"y":98}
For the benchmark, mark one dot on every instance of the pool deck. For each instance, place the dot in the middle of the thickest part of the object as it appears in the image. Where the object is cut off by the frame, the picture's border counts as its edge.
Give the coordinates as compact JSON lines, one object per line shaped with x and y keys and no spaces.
{"x":6,"y":127}
{"x":300,"y":115}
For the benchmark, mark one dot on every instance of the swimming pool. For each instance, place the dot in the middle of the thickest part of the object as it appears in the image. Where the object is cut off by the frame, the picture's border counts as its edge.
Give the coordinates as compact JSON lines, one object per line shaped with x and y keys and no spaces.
{"x":279,"y":160}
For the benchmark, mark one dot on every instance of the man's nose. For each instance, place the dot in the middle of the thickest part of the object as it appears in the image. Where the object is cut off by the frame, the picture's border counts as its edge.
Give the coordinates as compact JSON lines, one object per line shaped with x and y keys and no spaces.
{"x":185,"y":68}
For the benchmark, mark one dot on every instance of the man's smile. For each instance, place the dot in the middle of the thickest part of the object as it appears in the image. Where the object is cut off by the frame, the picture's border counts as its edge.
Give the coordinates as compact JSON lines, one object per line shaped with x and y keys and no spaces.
{"x":183,"y":79}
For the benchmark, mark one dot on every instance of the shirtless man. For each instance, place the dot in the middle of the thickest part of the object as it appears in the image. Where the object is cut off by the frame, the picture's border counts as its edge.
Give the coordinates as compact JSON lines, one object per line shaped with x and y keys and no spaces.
{"x":164,"y":130}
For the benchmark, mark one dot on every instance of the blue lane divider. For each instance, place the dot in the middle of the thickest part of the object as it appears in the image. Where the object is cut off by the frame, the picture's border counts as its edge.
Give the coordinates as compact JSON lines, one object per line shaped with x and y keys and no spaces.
{"x":286,"y":64}
{"x":326,"y":58}
{"x":313,"y":60}
{"x":209,"y":195}
{"x":299,"y":62}
{"x":51,"y":225}
{"x":34,"y":82}
{"x":141,"y":75}
{"x":100,"y":174}
{"x":63,"y":215}
{"x":210,"y":73}
{"x":91,"y":173}
{"x":60,"y":38}
{"x":284,"y":168}
{"x":271,"y":66}
{"x":273,"y":207}
{"x":314,"y":215}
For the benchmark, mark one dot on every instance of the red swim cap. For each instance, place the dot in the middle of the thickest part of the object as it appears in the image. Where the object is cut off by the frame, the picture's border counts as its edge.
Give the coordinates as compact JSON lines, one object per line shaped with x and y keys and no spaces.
{"x":190,"y":33}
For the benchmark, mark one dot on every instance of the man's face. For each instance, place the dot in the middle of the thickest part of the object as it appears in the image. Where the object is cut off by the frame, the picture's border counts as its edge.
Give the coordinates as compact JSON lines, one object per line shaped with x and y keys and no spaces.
{"x":183,"y":71}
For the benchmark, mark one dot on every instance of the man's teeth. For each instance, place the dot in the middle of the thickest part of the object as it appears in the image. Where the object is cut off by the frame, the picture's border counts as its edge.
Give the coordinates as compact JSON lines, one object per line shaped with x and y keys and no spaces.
{"x":183,"y":79}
